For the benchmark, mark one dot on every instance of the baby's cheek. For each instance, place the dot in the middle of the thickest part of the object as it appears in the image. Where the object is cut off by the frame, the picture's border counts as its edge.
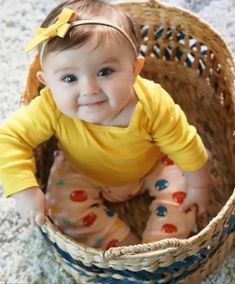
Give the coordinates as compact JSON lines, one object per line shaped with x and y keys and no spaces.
{"x":68,"y":106}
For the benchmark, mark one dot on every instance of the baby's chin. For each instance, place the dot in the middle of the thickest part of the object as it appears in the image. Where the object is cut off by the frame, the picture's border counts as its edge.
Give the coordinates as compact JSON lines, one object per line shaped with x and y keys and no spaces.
{"x":94,"y":118}
{"x":89,"y":118}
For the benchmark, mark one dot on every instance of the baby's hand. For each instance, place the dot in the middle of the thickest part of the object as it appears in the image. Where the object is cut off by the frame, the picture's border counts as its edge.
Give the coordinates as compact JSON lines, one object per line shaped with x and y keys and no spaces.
{"x":31,"y":205}
{"x":198,"y":189}
{"x":197,"y":196}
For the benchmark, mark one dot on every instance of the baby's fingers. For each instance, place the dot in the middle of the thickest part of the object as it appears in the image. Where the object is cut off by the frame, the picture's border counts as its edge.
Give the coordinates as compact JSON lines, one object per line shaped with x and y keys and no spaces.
{"x":40,"y":219}
{"x":37,"y":218}
{"x":31,"y":218}
{"x":201,"y":210}
{"x":186,"y":204}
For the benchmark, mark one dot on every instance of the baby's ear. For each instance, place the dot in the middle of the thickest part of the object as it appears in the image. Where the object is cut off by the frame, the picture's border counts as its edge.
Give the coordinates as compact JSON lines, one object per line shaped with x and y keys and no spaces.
{"x":139,"y":63}
{"x":41,"y":77}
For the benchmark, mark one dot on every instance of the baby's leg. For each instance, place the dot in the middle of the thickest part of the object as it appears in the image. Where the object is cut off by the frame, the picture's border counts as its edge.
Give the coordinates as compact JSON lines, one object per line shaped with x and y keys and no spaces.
{"x":76,"y":207}
{"x":167,"y":184}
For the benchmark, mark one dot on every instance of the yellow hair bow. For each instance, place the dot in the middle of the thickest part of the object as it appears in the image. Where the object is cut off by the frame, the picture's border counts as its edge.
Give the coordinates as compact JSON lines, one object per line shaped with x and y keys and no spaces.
{"x":59,"y":28}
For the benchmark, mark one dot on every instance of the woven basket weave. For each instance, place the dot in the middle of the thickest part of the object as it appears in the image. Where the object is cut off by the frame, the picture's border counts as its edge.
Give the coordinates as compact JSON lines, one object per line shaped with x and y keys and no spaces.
{"x":194,"y":64}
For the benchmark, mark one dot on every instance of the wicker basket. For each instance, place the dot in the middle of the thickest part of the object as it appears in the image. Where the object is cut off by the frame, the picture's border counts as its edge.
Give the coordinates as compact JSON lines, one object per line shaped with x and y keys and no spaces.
{"x":194,"y":64}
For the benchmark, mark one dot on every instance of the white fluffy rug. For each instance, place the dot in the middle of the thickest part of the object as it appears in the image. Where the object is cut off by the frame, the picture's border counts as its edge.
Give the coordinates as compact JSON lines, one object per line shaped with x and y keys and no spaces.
{"x":24,"y":255}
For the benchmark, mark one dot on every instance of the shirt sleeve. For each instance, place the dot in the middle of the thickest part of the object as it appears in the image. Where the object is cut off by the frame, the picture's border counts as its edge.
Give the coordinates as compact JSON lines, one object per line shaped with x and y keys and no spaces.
{"x":174,"y":135}
{"x":19,"y":136}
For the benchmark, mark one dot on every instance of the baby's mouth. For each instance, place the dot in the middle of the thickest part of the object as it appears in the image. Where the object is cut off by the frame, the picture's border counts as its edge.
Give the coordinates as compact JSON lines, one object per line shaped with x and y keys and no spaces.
{"x":91,"y":104}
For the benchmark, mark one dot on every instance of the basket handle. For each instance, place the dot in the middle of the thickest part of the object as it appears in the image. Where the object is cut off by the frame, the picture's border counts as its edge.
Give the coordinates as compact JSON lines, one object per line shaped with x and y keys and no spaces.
{"x":135,"y":250}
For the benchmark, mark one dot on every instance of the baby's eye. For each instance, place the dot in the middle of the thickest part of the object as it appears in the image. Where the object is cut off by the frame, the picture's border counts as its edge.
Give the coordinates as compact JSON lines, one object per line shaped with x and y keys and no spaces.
{"x":105,"y":72}
{"x":70,"y":78}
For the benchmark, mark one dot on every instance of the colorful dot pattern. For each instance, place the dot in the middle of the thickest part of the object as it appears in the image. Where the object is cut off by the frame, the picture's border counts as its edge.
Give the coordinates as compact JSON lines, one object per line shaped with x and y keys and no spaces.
{"x":112,"y":243}
{"x":61,"y":183}
{"x":167,"y":161}
{"x":98,"y":241}
{"x":80,"y":195}
{"x":161,"y":211}
{"x":110,"y":212}
{"x":178,"y":197}
{"x":161,"y":184}
{"x":169,"y":229}
{"x":89,"y":219}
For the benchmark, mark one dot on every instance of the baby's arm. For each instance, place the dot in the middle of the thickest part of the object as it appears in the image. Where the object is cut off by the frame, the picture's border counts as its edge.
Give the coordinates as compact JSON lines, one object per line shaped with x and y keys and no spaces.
{"x":180,"y":141}
{"x":31,"y":205}
{"x":198,"y":189}
{"x":19,"y":135}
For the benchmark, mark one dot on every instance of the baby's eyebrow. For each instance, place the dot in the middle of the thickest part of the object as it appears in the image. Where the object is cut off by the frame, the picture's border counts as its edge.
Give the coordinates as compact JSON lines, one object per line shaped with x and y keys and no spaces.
{"x":65,"y":69}
{"x":109,"y":60}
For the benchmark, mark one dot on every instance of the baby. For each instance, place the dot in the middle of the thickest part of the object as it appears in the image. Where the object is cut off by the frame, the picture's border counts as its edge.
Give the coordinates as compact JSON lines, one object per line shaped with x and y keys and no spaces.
{"x":118,"y":133}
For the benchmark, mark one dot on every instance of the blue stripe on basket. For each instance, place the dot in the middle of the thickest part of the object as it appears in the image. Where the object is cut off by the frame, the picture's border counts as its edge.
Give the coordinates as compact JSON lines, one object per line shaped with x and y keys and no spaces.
{"x":190,"y":263}
{"x":231,"y":220}
{"x":110,"y":280}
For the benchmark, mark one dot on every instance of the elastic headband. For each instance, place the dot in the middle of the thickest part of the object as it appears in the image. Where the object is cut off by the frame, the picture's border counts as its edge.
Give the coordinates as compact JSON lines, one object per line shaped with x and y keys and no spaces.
{"x":63,"y":25}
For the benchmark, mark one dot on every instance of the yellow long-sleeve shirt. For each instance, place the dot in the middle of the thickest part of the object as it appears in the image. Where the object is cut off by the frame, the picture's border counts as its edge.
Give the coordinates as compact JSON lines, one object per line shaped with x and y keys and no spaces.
{"x":110,"y":155}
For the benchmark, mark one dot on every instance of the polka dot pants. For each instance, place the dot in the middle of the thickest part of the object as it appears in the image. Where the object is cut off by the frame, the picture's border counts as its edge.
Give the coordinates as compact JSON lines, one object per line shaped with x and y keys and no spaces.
{"x":75,"y":204}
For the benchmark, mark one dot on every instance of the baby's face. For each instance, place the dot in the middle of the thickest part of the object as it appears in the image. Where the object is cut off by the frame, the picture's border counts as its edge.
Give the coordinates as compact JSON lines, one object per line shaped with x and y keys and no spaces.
{"x":92,"y":83}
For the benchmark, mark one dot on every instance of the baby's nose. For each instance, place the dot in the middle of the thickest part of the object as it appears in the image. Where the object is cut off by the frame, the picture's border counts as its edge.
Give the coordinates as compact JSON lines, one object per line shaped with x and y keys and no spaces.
{"x":89,"y":87}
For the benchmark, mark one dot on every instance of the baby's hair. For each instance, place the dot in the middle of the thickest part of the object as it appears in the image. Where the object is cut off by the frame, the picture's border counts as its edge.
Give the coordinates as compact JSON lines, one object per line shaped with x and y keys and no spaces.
{"x":89,"y":10}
